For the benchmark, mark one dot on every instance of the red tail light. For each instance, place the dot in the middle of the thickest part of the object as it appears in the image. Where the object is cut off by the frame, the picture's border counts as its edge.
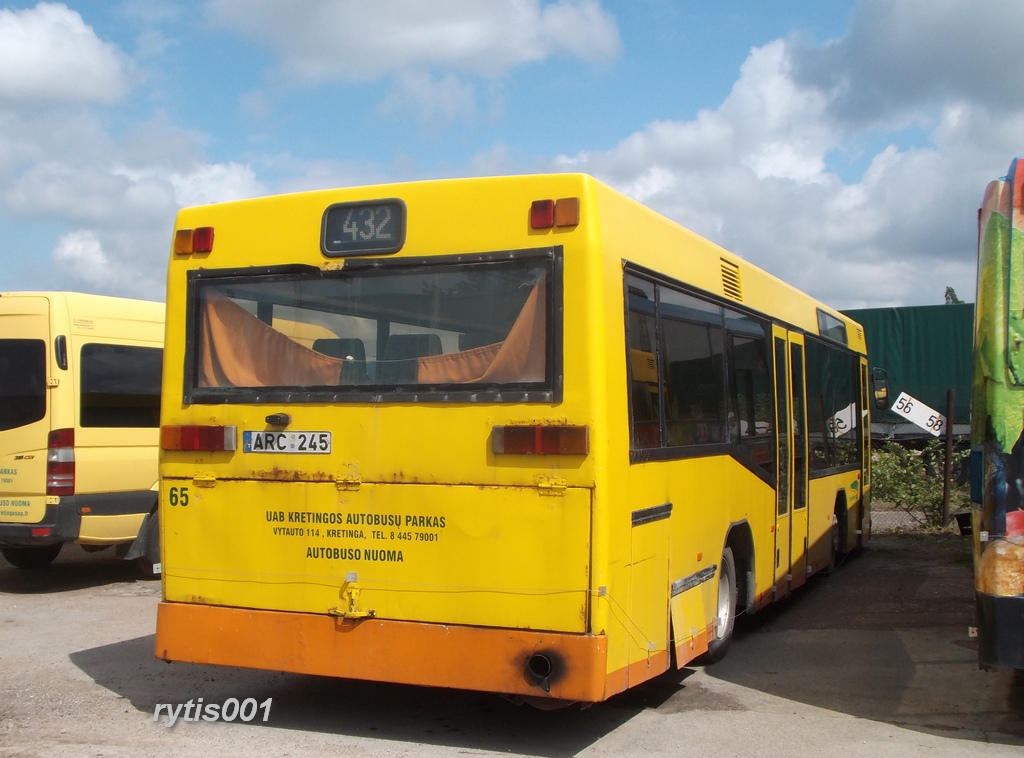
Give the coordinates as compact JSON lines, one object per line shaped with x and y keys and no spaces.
{"x":540,"y":440}
{"x":542,"y":214}
{"x":60,"y":462}
{"x":199,"y":438}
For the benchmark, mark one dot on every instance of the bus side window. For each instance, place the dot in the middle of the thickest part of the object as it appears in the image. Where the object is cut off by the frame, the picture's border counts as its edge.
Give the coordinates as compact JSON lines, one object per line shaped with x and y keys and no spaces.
{"x":833,"y":405}
{"x":645,"y":402}
{"x":695,"y":410}
{"x":752,"y":418}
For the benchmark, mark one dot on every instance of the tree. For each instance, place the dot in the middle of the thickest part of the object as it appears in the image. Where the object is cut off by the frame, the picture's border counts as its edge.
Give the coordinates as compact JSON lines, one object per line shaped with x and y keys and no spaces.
{"x":951,"y":298}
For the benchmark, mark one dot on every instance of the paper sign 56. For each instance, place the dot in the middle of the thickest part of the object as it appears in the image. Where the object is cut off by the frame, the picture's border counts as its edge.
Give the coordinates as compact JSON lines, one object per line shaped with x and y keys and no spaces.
{"x":920,"y":414}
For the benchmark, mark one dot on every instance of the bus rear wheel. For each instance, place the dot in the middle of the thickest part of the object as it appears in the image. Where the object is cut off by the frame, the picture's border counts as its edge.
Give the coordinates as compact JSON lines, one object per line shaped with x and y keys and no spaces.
{"x":834,"y":544}
{"x":725,"y":612}
{"x":32,"y":557}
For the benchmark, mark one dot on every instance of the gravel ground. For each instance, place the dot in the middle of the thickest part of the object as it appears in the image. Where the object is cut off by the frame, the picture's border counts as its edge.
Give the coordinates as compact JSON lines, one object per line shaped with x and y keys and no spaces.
{"x":874,"y":660}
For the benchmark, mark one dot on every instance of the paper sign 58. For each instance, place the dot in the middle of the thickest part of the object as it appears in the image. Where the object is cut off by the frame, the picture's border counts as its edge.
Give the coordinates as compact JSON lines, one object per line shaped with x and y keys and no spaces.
{"x":920,"y":414}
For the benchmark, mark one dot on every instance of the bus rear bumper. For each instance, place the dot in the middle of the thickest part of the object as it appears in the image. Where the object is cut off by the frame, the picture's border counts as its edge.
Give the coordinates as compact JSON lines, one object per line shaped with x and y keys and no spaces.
{"x":64,"y":522}
{"x":570,"y":667}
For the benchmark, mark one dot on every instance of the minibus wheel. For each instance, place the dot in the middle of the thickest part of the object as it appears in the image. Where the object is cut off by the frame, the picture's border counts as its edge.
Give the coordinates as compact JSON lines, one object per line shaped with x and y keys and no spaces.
{"x":725,"y":610}
{"x":148,"y":563}
{"x":32,"y":556}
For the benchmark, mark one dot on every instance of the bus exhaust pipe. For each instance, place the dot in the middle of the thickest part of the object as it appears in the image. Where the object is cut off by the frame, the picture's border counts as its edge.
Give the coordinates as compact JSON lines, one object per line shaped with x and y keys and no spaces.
{"x":539,"y":668}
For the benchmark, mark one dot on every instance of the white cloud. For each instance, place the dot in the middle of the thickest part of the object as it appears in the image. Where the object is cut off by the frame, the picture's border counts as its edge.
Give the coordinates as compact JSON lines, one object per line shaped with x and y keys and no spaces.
{"x":81,"y":261}
{"x":124,"y":215}
{"x":851,"y":168}
{"x":49,"y":55}
{"x":433,"y":100}
{"x":349,"y":40}
{"x":493,"y":161}
{"x":114,"y":262}
{"x":432,"y":56}
{"x":127,"y":214}
{"x":754,"y":175}
{"x":215,"y":183}
{"x":898,"y":59}
{"x":82,"y":252}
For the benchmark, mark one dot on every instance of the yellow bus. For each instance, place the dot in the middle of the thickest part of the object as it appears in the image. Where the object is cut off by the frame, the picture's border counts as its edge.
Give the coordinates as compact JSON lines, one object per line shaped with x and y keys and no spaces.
{"x":550,"y":444}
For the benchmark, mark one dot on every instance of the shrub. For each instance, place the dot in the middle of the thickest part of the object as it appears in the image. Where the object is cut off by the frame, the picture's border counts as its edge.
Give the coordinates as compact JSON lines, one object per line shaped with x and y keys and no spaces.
{"x":912,"y":480}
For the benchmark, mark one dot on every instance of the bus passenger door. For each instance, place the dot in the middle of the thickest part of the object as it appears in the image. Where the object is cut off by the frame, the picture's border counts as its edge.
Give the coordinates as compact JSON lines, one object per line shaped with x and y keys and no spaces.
{"x":798,"y":486}
{"x":784,"y":436}
{"x":863,"y":528}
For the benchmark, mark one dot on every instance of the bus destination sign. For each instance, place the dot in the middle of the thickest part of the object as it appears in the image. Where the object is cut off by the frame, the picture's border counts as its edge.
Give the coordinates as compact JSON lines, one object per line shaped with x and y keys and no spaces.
{"x":374,"y":228}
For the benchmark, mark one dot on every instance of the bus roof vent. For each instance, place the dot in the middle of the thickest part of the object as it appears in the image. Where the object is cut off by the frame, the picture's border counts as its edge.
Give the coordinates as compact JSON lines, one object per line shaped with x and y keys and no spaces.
{"x":731,"y":280}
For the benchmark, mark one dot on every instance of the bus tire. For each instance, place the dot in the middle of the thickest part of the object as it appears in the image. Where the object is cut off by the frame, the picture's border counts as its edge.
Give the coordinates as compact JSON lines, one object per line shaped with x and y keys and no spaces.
{"x":32,"y":556}
{"x":725,"y":611}
{"x":834,"y":537}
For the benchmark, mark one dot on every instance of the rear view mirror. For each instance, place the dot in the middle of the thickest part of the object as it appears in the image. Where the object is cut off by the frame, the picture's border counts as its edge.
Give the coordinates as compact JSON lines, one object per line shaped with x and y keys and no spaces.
{"x":880,"y":388}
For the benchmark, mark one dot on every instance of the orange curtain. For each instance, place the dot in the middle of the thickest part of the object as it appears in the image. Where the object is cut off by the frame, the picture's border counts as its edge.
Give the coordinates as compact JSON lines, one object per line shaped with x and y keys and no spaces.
{"x":520,"y":357}
{"x":239,"y":350}
{"x":457,"y":368}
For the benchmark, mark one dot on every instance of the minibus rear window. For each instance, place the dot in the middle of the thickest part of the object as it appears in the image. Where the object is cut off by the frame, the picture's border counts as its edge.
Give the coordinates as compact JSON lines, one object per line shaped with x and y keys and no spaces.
{"x":478,"y":329}
{"x":120,"y":386}
{"x":22,"y":382}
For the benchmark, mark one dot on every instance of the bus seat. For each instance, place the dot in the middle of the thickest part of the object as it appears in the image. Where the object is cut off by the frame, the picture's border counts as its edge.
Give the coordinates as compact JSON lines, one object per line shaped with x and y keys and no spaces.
{"x":401,"y":353}
{"x":349,"y":349}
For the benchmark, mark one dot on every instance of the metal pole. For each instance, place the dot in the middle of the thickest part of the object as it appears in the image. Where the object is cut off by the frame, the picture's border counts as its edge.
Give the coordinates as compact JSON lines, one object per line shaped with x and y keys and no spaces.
{"x":947,"y":473}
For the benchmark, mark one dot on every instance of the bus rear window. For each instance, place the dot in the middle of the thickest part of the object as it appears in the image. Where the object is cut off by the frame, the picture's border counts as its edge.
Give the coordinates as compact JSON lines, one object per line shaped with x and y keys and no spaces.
{"x":429,"y":330}
{"x":22,"y":382}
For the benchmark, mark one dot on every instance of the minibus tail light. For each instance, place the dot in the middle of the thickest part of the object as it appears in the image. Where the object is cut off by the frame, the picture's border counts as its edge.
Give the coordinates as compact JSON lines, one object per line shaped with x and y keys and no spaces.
{"x":60,"y":462}
{"x":199,"y":438}
{"x":540,"y":440}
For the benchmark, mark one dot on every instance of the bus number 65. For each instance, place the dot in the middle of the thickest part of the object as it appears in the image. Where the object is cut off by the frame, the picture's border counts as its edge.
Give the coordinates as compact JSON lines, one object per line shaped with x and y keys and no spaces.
{"x":177,"y":496}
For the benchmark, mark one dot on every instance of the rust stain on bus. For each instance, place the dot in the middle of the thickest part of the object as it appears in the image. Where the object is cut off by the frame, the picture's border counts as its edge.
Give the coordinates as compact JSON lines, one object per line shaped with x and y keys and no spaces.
{"x":290,"y":475}
{"x":399,"y":477}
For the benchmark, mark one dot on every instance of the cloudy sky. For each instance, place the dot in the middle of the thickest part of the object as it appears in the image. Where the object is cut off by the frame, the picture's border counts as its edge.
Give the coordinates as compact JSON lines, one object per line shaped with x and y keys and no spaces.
{"x":842,"y":145}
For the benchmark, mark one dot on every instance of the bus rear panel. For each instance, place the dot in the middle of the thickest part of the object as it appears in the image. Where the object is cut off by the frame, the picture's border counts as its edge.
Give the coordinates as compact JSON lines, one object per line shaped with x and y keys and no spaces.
{"x":377,"y":451}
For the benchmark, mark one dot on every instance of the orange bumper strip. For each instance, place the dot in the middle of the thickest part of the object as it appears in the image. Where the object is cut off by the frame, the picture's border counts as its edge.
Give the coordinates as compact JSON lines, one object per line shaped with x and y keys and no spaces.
{"x":432,"y":655}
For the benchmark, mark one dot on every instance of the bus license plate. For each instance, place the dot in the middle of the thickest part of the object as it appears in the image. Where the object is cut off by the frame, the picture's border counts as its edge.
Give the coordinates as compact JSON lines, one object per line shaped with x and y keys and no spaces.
{"x":286,"y":442}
